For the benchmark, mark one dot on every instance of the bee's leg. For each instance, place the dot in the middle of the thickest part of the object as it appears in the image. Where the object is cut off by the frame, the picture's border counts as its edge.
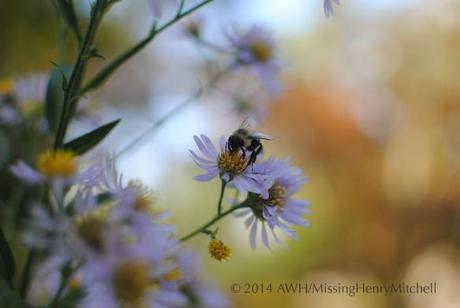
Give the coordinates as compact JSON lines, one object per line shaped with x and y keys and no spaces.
{"x":254,"y":154}
{"x":243,"y":150}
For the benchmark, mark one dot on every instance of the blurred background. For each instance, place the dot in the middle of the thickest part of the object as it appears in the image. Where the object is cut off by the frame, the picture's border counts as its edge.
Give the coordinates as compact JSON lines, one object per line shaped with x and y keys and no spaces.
{"x":370,"y":110}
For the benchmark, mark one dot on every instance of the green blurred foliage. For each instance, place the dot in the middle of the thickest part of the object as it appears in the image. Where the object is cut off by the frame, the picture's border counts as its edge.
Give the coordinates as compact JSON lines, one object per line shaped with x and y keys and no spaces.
{"x":31,"y":35}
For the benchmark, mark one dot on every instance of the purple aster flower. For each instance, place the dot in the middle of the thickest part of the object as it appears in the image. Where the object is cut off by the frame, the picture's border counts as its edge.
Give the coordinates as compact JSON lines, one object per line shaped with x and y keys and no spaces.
{"x":231,"y":167}
{"x":136,"y":208}
{"x":328,"y":7}
{"x":69,"y":237}
{"x":138,"y":274}
{"x":256,"y":50}
{"x":58,"y":165}
{"x":135,"y":203}
{"x":279,"y":209}
{"x":26,"y":173}
{"x":113,"y":253}
{"x":60,"y":169}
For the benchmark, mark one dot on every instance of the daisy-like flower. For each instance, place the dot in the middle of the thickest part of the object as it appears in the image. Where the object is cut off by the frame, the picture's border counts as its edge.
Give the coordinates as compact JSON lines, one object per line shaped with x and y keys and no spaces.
{"x":231,"y":167}
{"x":135,"y":203}
{"x":279,"y":209}
{"x":120,"y":263}
{"x":255,"y":49}
{"x":328,"y":7}
{"x":61,"y":164}
{"x":136,"y":275}
{"x":68,"y":237}
{"x":136,"y":207}
{"x":58,"y":168}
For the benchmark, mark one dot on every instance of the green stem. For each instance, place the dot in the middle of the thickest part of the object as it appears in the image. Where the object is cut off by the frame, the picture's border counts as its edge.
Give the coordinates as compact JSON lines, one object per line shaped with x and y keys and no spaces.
{"x":110,"y":68}
{"x":221,"y":197}
{"x":181,"y":7}
{"x":157,"y":124}
{"x":213,"y":221}
{"x":77,"y":72}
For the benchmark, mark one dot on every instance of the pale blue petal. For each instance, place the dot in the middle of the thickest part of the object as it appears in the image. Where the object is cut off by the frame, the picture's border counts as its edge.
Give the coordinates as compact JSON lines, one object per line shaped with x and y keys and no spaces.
{"x":205,"y":177}
{"x":209,"y":144}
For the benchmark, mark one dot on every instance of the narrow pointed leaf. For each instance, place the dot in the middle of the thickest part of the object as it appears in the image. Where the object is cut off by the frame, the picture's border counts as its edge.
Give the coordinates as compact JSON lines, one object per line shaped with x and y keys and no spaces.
{"x":55,"y":95}
{"x":88,"y":141}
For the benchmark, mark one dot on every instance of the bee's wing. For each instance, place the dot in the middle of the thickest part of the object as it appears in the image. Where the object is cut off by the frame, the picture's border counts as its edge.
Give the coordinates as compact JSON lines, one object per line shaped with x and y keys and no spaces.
{"x":261,"y":136}
{"x":248,"y":123}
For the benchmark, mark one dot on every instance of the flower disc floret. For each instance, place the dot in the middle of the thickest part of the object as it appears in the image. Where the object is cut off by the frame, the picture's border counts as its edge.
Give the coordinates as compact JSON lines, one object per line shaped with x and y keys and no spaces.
{"x":231,"y":163}
{"x":131,"y":281}
{"x":277,"y":196}
{"x":218,"y":250}
{"x":90,"y":227}
{"x":57,"y":163}
{"x":261,"y":50}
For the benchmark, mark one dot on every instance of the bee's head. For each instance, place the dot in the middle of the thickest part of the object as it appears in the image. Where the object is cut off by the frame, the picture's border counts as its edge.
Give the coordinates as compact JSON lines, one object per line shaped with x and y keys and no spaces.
{"x":235,"y":142}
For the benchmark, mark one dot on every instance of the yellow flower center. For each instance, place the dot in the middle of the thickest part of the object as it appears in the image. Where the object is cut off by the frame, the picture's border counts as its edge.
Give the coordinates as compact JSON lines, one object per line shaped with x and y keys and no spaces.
{"x":218,"y":250}
{"x":142,"y":204}
{"x":144,"y":197}
{"x":231,"y":163}
{"x":57,"y":163}
{"x":261,"y":50}
{"x":277,"y":196}
{"x":6,"y":86}
{"x":131,"y":281}
{"x":91,"y":228}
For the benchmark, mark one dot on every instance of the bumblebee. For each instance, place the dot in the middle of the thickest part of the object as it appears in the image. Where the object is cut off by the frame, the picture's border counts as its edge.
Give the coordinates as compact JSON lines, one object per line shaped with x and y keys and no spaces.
{"x":246,"y":139}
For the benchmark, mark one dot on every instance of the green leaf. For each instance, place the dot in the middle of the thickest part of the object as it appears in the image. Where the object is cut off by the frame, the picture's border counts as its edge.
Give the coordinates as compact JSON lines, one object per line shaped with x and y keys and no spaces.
{"x":86,"y":142}
{"x":68,"y":11}
{"x":8,"y":265}
{"x":93,"y":53}
{"x":55,"y":95}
